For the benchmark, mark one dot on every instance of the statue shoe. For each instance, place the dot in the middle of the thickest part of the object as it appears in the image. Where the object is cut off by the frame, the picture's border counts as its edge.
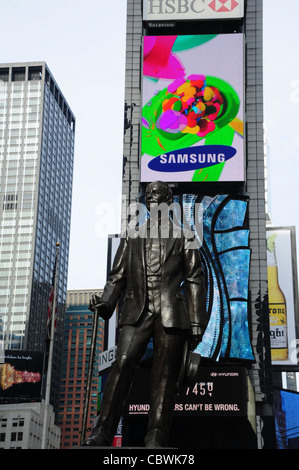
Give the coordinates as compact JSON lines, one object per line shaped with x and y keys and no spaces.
{"x":153,"y":444}
{"x":97,"y":441}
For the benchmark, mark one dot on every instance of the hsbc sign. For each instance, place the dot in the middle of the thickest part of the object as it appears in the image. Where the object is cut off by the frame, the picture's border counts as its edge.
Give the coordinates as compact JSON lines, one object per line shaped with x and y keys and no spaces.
{"x":155,"y":10}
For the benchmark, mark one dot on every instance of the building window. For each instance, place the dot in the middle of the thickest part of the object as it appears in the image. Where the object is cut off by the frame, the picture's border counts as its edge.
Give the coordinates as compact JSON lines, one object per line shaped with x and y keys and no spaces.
{"x":35,"y":73}
{"x":10,"y":201}
{"x":17,"y":422}
{"x":4,"y":75}
{"x":18,"y":74}
{"x":16,"y":436}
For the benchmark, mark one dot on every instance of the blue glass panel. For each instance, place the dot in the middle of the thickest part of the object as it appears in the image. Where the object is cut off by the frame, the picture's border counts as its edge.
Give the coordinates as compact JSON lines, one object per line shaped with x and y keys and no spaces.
{"x":228,"y":273}
{"x":235,"y":266}
{"x":240,"y":340}
{"x":226,"y":326}
{"x":225,"y":241}
{"x":210,"y":203}
{"x":210,"y":339}
{"x":232,"y":215}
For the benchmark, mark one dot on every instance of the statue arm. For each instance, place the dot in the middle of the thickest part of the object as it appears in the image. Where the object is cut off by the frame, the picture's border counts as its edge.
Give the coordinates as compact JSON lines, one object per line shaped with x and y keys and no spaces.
{"x":195,"y":293}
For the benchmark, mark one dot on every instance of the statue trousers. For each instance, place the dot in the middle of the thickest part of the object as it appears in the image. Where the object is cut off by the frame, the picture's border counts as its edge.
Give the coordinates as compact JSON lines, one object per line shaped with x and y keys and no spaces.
{"x":168,"y":348}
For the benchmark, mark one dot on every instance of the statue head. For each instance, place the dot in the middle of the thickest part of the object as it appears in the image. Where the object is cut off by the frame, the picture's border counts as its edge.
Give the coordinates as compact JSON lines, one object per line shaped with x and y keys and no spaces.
{"x":157,"y":193}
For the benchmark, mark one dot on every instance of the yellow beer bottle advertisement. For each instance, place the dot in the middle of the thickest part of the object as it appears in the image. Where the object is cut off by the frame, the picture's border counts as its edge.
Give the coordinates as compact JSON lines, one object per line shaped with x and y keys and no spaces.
{"x":277,"y":306}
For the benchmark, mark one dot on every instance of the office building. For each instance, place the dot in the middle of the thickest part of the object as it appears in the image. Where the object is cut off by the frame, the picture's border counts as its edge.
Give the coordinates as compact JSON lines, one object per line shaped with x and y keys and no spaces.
{"x":21,"y":427}
{"x":75,"y":361}
{"x":37,"y":131}
{"x":176,"y":53}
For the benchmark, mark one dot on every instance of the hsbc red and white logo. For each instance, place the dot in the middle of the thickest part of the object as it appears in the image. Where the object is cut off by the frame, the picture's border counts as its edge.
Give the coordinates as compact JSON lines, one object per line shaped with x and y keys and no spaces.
{"x":223,"y":6}
{"x":156,"y":10}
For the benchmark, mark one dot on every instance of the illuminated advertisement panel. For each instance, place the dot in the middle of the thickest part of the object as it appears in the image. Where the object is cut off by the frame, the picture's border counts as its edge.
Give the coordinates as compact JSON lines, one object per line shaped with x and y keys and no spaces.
{"x":192,"y":110}
{"x":218,"y":392}
{"x":155,"y":10}
{"x":21,"y":374}
{"x":286,"y":414}
{"x":226,"y":256}
{"x":282,"y":294}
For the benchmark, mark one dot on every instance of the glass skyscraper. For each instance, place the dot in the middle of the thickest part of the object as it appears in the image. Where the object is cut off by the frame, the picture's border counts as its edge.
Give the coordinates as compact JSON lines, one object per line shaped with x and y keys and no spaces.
{"x":37,"y":131}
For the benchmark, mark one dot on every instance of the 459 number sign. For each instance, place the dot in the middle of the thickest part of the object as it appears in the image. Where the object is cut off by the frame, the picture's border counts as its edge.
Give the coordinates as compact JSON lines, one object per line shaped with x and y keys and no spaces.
{"x":201,"y":388}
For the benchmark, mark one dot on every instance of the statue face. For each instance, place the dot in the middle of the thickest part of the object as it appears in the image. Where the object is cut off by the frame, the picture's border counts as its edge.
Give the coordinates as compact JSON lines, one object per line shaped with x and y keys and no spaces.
{"x":156,"y":193}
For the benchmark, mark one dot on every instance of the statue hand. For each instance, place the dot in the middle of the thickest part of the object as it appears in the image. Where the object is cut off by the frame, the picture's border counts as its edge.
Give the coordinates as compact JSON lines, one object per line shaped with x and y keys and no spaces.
{"x":103,"y":308}
{"x":94,"y":302}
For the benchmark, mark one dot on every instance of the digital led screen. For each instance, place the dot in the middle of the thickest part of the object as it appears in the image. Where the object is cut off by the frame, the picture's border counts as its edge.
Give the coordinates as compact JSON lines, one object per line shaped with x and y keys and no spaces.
{"x":226,"y":255}
{"x":21,"y":375}
{"x":218,"y":392}
{"x":226,"y":259}
{"x":192,"y":109}
{"x":286,"y":414}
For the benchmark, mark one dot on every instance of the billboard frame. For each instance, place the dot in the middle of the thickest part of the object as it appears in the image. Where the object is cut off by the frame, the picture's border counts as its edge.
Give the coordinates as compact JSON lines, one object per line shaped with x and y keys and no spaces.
{"x":281,"y":365}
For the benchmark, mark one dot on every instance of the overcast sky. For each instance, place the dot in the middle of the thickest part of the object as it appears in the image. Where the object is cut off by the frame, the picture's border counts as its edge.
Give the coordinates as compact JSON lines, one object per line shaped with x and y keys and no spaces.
{"x":83,"y":43}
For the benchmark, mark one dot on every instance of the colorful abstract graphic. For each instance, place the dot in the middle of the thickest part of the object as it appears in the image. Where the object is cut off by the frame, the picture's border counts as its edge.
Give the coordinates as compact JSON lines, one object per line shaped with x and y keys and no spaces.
{"x":192,"y":115}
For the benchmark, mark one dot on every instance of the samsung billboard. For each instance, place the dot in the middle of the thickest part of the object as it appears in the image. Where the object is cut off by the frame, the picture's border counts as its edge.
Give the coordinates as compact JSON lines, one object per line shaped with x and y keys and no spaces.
{"x":155,"y":10}
{"x":193,"y":108}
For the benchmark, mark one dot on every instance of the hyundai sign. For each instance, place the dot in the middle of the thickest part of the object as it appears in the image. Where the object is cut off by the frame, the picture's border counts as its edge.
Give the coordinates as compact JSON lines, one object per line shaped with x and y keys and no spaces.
{"x":155,"y":10}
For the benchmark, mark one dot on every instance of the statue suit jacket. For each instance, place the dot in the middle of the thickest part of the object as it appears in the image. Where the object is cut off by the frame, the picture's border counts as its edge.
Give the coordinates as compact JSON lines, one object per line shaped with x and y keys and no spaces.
{"x":183,"y":299}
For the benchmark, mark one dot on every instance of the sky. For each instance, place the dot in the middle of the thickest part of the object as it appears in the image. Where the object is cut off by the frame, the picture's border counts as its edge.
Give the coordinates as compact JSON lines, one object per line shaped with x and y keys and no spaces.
{"x":83,"y":44}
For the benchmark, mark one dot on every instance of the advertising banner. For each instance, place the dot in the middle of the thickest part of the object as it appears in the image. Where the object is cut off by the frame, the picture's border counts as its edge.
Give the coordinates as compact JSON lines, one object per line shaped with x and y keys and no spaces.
{"x":155,"y":10}
{"x":193,"y":108}
{"x":282,"y":294}
{"x":220,"y":392}
{"x":106,"y":358}
{"x":286,"y":414}
{"x":21,"y":375}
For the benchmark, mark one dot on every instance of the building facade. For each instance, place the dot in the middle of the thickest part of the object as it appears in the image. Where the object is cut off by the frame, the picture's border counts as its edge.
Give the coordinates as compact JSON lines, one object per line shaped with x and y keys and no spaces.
{"x":37,"y":132}
{"x":75,"y":361}
{"x":21,"y":427}
{"x":169,"y":21}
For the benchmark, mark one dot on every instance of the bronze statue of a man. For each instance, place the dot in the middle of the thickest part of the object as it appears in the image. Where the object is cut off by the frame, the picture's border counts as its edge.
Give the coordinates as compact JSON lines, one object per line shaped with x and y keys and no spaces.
{"x":164,"y":299}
